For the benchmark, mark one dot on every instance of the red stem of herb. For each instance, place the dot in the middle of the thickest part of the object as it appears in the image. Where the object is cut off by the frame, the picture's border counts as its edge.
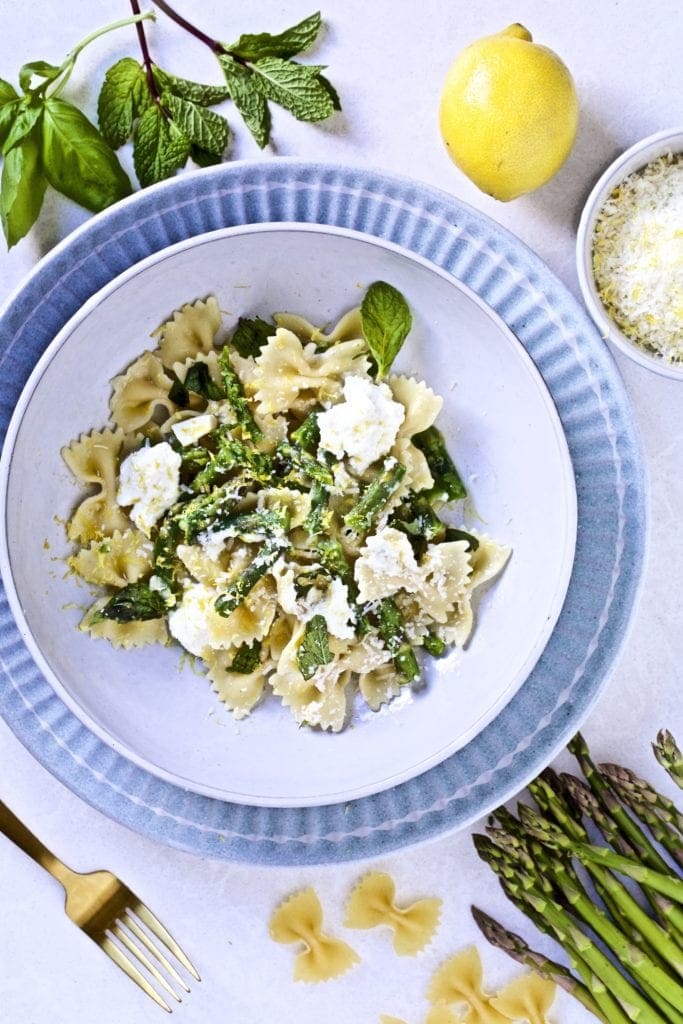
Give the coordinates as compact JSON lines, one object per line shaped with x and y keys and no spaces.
{"x":213,"y":44}
{"x":146,"y":58}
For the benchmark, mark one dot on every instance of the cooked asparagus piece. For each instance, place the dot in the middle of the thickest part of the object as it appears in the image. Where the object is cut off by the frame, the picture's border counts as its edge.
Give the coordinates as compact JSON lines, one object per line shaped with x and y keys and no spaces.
{"x":374,"y":498}
{"x":448,"y":485}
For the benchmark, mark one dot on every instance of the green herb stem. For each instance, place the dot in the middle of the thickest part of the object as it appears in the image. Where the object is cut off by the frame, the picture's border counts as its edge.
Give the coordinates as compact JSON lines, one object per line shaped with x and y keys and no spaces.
{"x":71,"y":58}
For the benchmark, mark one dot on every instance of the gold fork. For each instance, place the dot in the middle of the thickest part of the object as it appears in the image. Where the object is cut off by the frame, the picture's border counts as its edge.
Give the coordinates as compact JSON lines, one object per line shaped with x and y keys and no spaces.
{"x":106,"y":910}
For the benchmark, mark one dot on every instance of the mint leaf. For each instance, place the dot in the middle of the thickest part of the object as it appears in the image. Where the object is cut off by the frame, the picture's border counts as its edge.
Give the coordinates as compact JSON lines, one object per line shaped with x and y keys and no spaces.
{"x":77,"y":160}
{"x":159,"y":147}
{"x":203,"y":158}
{"x":293,"y":40}
{"x":314,"y":649}
{"x":22,"y":187}
{"x":386,"y":320}
{"x":251,"y":335}
{"x":28,"y":112}
{"x":123,"y":97}
{"x":331,"y":91}
{"x":296,"y":87}
{"x":8,"y":94}
{"x":196,"y":92}
{"x":248,"y":96}
{"x":204,"y":128}
{"x":37,"y":67}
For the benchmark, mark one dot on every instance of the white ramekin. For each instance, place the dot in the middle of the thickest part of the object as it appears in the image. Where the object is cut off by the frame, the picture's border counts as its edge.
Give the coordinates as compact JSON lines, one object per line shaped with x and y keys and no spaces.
{"x":668,"y":141}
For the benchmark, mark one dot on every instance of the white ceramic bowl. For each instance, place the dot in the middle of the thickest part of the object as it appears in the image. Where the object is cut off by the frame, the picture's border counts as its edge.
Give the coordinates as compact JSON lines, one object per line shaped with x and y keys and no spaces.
{"x":642,"y":153}
{"x":502,"y":429}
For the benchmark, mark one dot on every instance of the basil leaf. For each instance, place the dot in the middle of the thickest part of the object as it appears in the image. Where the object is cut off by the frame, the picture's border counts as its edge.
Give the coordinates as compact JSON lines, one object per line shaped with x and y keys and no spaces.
{"x":203,"y":127}
{"x":296,"y":87}
{"x":247,"y":658}
{"x":40,"y":68}
{"x":8,"y":94}
{"x":27,"y":114}
{"x":159,"y":147}
{"x":8,"y":112}
{"x":124,"y":96}
{"x":22,"y":187}
{"x":77,"y":160}
{"x":136,"y":602}
{"x":314,"y":649}
{"x":198,"y":379}
{"x":248,"y":96}
{"x":293,"y":40}
{"x":386,"y":320}
{"x":469,"y":538}
{"x":196,"y":92}
{"x":251,"y":335}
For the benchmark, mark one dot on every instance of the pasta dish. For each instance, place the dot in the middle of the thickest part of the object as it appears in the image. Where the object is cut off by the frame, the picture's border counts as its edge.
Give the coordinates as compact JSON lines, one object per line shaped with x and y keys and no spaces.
{"x":282,"y":506}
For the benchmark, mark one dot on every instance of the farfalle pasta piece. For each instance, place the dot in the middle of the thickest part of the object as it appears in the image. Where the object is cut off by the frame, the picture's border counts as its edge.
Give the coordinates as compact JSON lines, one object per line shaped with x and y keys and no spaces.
{"x":201,"y":629}
{"x":458,"y":982}
{"x":139,"y":392}
{"x":348,"y":328}
{"x":291,"y":376}
{"x":380,"y":685}
{"x":386,"y":1019}
{"x":442,"y":1015}
{"x":114,"y":561}
{"x":92,"y":459}
{"x":526,"y":999}
{"x":421,"y":404}
{"x":190,"y":331}
{"x":124,"y":634}
{"x":486,"y":562}
{"x":445,"y":571}
{"x":299,"y":919}
{"x":372,"y":903}
{"x":239,"y":691}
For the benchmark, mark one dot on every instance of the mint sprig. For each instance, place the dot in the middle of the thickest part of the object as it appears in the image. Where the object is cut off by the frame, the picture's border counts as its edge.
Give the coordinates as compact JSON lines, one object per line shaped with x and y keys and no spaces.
{"x":386,"y":321}
{"x":46,"y":141}
{"x":259,"y":69}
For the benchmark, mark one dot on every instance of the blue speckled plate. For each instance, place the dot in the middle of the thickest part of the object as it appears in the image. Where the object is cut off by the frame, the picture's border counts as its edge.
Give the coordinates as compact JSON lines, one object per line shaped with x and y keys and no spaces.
{"x":604,"y":449}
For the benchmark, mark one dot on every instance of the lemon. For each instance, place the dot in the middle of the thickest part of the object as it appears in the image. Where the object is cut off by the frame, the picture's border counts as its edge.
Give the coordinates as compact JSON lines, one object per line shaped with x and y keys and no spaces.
{"x":509,"y":113}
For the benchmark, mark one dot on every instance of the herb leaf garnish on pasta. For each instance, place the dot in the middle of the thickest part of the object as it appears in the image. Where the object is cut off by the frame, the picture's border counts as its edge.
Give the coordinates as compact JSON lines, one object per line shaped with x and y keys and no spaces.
{"x":282,"y":506}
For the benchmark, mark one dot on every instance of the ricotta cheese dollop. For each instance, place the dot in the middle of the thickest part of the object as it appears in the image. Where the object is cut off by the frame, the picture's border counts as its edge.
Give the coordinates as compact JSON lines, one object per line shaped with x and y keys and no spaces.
{"x":364,"y":426}
{"x":149,"y":481}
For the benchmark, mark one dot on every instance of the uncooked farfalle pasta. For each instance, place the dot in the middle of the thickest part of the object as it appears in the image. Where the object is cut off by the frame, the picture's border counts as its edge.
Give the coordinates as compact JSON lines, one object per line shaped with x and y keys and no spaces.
{"x":275,"y":505}
{"x":373,"y":903}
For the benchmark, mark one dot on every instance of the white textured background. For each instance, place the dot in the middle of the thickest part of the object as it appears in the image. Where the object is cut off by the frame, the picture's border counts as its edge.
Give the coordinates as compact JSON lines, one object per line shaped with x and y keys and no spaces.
{"x":388,"y":59}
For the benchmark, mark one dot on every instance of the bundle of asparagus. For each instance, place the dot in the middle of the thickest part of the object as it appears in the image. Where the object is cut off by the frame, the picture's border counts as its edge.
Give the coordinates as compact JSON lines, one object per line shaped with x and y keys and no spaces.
{"x":624,"y":942}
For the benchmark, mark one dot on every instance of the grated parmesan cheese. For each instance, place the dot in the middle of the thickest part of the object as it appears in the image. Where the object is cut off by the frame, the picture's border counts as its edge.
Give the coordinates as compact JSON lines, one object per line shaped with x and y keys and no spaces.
{"x":638,"y":257}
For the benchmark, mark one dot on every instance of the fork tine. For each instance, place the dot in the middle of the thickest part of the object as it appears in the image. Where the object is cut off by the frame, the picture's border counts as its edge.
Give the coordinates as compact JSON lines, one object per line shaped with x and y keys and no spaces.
{"x":157,"y":928}
{"x":140,"y":955}
{"x":120,"y":958}
{"x":142,"y":936}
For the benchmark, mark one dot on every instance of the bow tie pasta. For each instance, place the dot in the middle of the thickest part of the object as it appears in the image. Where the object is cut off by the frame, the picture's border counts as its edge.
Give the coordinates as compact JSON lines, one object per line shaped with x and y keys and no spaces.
{"x":274,"y":503}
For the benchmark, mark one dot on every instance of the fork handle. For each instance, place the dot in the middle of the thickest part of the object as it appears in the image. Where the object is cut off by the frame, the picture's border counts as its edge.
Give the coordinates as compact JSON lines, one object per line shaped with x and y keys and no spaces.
{"x":30,"y":844}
